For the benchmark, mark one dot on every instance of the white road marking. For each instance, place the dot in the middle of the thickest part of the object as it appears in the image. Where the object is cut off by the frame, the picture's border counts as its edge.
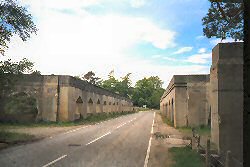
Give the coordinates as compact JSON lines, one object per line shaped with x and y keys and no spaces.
{"x":125,"y":123}
{"x":149,"y":143}
{"x":98,"y":138}
{"x":76,"y":129}
{"x":52,"y":162}
{"x":121,"y":125}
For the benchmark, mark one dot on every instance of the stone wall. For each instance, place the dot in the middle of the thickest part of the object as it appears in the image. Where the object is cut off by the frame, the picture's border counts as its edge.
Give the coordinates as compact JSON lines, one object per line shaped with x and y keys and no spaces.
{"x":65,"y":98}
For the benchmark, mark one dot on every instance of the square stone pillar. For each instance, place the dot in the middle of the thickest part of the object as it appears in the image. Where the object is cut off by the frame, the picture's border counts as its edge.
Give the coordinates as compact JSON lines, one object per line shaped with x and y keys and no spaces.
{"x":226,"y":82}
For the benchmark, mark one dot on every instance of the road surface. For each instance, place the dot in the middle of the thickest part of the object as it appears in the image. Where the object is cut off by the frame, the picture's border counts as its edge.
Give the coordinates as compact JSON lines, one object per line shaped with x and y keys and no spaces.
{"x":120,"y":142}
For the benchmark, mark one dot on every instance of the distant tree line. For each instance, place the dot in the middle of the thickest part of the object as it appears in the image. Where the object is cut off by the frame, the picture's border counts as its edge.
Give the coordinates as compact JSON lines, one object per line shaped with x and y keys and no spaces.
{"x":146,"y":91}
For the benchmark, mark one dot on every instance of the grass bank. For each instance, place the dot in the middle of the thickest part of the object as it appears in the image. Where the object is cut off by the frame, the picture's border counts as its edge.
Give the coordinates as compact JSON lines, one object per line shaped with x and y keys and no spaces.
{"x":185,"y":157}
{"x":89,"y":120}
{"x":166,"y":120}
{"x":14,"y":138}
{"x":200,"y":130}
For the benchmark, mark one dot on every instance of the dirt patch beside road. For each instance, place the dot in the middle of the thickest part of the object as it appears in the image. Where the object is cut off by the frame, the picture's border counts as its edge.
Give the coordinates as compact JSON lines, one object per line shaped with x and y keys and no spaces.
{"x":164,"y":137}
{"x":20,"y":135}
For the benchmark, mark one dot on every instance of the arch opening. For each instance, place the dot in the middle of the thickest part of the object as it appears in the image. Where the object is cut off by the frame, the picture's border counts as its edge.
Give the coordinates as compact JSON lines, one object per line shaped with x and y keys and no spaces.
{"x":90,"y":106}
{"x":172,"y":110}
{"x":98,"y":102}
{"x":79,"y":109}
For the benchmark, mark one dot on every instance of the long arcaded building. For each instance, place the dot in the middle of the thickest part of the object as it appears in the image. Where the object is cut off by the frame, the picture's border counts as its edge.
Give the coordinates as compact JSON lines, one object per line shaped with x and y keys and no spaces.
{"x":215,"y":100}
{"x":186,"y":100}
{"x":66,"y":98}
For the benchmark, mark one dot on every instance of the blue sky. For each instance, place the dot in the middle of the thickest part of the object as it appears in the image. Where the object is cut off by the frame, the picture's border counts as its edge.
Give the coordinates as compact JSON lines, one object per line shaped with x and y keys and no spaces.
{"x":144,"y":37}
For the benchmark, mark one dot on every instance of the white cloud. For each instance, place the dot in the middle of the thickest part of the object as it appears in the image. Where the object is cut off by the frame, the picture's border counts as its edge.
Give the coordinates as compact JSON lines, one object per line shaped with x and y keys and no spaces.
{"x":169,"y":58}
{"x":183,"y":50}
{"x":156,"y":56}
{"x":216,"y":41}
{"x":200,"y":37}
{"x":75,"y":44}
{"x":137,"y":3}
{"x":202,"y":50}
{"x":202,"y":58}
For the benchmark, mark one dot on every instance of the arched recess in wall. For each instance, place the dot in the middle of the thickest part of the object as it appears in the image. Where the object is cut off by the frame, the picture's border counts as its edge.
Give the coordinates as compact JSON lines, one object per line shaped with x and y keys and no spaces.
{"x":109,"y":107}
{"x":166,"y":109}
{"x":90,"y":106}
{"x":113,"y":107}
{"x":169,"y":110}
{"x":79,"y":108}
{"x":117,"y":107}
{"x":209,"y":117}
{"x":172,"y":110}
{"x":98,"y":106}
{"x":105,"y":106}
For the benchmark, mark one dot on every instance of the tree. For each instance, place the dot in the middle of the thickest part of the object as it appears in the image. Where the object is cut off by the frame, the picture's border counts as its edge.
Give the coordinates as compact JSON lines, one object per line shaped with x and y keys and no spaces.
{"x":148,"y":91}
{"x":224,"y":19}
{"x":123,"y":87}
{"x":90,"y":77}
{"x":9,"y":73}
{"x":14,"y":20}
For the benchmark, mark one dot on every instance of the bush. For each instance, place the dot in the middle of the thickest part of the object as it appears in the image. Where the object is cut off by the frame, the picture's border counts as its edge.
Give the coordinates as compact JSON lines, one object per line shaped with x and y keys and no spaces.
{"x":20,"y":107}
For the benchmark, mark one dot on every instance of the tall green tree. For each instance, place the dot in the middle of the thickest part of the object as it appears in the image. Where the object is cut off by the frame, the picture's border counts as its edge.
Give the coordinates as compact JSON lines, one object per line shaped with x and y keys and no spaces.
{"x":122,"y":87}
{"x":224,"y":19}
{"x":110,"y":84}
{"x":91,"y":78}
{"x":14,"y":20}
{"x":148,"y":91}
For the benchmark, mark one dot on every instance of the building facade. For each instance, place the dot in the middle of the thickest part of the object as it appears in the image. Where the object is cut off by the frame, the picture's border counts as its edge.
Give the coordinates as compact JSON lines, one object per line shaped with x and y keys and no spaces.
{"x":186,"y":100}
{"x":65,"y":98}
{"x":215,"y":100}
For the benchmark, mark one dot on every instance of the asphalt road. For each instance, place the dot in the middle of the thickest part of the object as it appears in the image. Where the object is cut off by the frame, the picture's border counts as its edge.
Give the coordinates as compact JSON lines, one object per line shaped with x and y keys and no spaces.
{"x":120,"y":142}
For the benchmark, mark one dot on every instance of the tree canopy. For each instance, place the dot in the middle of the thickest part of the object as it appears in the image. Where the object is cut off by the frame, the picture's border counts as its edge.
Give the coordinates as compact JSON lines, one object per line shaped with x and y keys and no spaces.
{"x":224,"y":19}
{"x":14,"y":20}
{"x":9,"y":71}
{"x":148,"y":91}
{"x":122,"y":86}
{"x":91,"y":78}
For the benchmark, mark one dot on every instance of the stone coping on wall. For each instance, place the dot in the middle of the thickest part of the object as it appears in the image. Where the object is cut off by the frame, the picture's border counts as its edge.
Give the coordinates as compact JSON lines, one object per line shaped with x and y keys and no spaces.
{"x":182,"y":80}
{"x":66,"y":80}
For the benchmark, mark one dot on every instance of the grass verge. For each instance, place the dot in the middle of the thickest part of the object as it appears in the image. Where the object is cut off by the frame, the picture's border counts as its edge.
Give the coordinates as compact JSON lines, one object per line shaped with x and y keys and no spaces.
{"x":166,"y":120}
{"x":89,"y":120}
{"x":200,"y":130}
{"x":185,"y":157}
{"x":13,"y":137}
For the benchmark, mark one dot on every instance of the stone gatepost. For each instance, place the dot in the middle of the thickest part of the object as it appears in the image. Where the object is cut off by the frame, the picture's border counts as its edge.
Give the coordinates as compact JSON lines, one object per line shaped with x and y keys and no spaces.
{"x":226,"y":82}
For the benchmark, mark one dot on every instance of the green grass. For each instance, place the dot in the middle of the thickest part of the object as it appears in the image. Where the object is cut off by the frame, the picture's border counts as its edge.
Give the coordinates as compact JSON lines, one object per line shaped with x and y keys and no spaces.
{"x":13,"y":137}
{"x":143,"y":109}
{"x":89,"y":120}
{"x":201,"y":130}
{"x":166,"y":120}
{"x":185,"y":157}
